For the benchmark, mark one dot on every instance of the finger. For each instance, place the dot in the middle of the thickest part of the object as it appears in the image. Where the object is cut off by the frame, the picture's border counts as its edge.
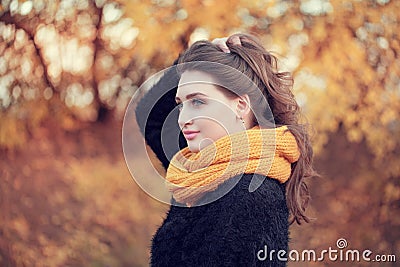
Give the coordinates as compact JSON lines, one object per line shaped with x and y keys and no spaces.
{"x":221,"y":43}
{"x":235,"y":40}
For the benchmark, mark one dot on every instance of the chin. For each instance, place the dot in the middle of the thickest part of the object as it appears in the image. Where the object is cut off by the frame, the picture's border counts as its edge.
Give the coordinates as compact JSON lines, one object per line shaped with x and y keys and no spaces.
{"x":194,"y":147}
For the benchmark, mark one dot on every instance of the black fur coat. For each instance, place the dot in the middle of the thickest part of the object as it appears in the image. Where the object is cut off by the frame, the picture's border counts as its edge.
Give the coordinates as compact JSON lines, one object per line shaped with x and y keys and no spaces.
{"x":239,"y":229}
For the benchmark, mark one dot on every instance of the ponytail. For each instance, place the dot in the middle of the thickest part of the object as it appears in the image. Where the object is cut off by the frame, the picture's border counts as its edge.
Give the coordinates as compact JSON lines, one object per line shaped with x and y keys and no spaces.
{"x":276,"y":86}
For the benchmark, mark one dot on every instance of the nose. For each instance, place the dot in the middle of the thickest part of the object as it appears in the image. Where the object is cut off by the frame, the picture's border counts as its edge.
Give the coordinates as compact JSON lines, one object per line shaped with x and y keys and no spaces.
{"x":184,"y":118}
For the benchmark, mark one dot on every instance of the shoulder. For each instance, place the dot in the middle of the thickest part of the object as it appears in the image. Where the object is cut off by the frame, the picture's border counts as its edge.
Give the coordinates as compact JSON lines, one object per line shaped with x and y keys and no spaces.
{"x":248,"y":216}
{"x":248,"y":189}
{"x":228,"y":231}
{"x":251,"y":217}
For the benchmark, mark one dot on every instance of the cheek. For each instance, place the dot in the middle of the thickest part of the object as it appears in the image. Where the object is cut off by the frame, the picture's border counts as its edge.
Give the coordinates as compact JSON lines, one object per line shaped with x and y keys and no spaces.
{"x":220,"y":114}
{"x":213,"y":129}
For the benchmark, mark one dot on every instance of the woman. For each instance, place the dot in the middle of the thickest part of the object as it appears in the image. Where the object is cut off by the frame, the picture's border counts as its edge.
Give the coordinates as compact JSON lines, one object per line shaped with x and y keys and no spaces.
{"x":232,"y":193}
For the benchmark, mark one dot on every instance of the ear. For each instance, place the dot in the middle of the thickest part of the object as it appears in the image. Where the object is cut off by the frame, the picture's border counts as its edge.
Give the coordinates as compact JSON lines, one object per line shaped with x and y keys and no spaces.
{"x":243,"y":105}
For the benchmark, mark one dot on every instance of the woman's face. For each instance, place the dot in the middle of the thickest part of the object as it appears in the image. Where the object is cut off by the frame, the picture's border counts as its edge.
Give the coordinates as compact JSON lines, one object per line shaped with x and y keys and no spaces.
{"x":206,"y":113}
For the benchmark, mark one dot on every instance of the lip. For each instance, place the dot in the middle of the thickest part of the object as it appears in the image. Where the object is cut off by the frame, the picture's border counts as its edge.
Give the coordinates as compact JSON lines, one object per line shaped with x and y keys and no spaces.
{"x":190,"y":135}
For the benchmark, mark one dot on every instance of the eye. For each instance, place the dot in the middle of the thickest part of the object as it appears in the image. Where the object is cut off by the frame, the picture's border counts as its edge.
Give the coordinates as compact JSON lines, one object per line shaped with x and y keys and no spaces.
{"x":196,"y":102}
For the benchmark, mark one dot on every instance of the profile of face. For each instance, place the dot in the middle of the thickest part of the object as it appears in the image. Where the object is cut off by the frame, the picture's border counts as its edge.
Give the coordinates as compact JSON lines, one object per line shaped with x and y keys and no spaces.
{"x":207,"y":113}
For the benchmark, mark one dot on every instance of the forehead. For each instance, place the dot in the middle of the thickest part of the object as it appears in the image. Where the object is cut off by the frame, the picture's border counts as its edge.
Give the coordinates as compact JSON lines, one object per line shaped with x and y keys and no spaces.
{"x":193,"y":76}
{"x":198,"y":82}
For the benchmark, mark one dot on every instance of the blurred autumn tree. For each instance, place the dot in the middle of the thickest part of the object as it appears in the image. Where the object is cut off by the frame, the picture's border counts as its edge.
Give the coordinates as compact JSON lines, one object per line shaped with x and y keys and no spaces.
{"x":68,"y":69}
{"x":68,"y":59}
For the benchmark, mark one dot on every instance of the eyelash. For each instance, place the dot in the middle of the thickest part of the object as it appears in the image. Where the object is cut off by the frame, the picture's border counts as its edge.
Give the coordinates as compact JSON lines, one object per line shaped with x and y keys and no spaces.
{"x":195,"y":102}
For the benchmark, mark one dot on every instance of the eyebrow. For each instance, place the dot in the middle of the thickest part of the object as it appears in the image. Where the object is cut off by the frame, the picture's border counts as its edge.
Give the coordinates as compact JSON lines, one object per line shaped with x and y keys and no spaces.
{"x":189,"y":96}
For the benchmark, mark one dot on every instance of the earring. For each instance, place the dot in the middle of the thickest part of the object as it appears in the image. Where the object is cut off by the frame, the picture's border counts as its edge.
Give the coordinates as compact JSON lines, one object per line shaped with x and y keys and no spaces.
{"x":241,"y":118}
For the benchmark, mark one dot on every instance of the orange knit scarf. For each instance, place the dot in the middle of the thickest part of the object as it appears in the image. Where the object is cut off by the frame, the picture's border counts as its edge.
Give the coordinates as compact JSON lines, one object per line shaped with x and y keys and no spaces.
{"x":264,"y":151}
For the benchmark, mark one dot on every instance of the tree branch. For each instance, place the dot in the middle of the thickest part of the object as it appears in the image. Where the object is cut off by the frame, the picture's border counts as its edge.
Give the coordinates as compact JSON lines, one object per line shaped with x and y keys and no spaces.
{"x":29,"y":29}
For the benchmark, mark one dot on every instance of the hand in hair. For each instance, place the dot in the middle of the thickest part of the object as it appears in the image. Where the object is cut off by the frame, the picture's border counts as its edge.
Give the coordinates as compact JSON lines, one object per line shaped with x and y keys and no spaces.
{"x":221,"y":42}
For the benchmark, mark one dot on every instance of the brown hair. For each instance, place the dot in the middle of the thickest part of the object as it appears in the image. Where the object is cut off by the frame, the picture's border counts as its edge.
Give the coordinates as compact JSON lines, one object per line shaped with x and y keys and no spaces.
{"x":281,"y":108}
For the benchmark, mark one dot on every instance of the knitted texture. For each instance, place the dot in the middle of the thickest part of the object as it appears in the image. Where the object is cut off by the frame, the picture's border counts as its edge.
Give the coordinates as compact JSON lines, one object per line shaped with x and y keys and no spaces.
{"x":228,"y":231}
{"x":268,"y":152}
